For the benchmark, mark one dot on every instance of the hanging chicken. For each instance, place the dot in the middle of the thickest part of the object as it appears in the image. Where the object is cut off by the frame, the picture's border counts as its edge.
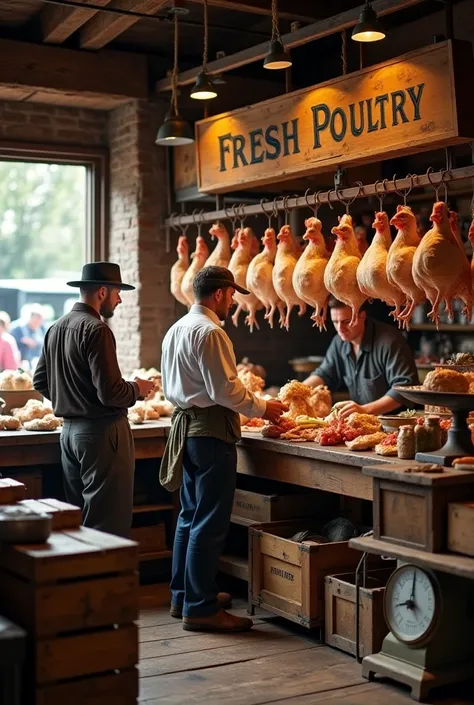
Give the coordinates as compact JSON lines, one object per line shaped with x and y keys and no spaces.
{"x":441,"y":268}
{"x":199,"y":258}
{"x":259,"y":278}
{"x":220,"y":256}
{"x":308,"y":276}
{"x":238,"y":265}
{"x":179,"y":268}
{"x":340,"y":277}
{"x":400,"y":261}
{"x":286,"y":258}
{"x":372,"y":270}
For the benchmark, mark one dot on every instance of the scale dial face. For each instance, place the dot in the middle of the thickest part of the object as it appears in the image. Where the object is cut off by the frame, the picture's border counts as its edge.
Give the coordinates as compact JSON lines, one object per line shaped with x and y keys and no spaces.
{"x":412,"y":604}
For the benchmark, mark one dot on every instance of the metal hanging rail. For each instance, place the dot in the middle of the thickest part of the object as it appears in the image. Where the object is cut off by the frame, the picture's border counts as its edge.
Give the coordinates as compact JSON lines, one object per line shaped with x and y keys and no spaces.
{"x":402,"y":187}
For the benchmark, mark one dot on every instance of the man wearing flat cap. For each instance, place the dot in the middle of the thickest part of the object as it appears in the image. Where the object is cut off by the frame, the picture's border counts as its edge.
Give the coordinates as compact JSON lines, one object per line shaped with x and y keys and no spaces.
{"x":199,"y":376}
{"x":79,"y":373}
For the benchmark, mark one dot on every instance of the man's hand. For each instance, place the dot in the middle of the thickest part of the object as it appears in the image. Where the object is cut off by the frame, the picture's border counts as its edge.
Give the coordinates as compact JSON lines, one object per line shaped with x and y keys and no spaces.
{"x":29,"y":342}
{"x":346,"y":408}
{"x":145,"y":386}
{"x":274,"y":410}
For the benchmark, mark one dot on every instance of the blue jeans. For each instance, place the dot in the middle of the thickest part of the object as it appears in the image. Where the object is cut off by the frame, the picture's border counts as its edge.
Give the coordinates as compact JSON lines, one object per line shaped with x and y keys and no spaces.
{"x":207,"y":493}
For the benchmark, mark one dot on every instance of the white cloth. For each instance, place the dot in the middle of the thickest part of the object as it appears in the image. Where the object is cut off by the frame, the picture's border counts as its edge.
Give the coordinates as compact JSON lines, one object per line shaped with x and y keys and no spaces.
{"x":199,"y":368}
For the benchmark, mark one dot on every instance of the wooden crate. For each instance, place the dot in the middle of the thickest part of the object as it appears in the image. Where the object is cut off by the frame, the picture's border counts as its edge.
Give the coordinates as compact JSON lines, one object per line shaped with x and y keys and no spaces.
{"x":118,"y":688}
{"x":33,"y":482}
{"x":77,"y":597}
{"x":150,"y":538}
{"x":63,"y":515}
{"x":11,"y":491}
{"x":461,"y":527}
{"x":258,"y":507}
{"x":340,"y":624}
{"x":287,"y":578}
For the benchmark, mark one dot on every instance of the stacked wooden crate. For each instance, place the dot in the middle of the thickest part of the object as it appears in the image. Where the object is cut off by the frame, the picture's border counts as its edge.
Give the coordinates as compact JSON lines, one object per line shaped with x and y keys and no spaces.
{"x":77,"y":598}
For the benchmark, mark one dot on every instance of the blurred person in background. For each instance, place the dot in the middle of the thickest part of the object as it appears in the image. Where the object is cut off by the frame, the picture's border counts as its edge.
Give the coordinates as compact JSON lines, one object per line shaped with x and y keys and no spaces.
{"x":29,"y":334}
{"x":9,"y":353}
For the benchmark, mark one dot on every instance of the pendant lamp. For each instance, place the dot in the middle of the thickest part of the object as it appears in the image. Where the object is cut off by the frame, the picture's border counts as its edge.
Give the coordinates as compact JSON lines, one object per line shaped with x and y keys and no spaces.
{"x":204,"y":89}
{"x":175,"y":131}
{"x":368,"y":28}
{"x":277,"y":57}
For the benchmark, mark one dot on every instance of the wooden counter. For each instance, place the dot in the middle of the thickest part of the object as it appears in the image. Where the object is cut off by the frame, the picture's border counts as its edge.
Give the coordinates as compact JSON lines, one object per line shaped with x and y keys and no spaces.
{"x":23,"y":448}
{"x":329,"y":468}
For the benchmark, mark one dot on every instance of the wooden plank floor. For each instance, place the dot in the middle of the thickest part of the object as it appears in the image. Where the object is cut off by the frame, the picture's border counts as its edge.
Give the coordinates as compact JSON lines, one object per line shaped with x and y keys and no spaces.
{"x":277,"y":662}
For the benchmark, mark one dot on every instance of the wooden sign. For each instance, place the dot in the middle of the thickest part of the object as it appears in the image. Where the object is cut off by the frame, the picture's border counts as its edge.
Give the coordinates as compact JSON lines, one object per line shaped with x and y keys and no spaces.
{"x":417,"y":101}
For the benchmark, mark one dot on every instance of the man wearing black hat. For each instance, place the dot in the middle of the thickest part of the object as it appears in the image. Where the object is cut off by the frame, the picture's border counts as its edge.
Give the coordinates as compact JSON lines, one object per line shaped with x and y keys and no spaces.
{"x":200,"y":378}
{"x":79,"y":373}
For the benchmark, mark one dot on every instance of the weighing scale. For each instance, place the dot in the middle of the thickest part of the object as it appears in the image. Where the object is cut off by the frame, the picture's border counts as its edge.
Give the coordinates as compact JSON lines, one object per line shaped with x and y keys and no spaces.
{"x":431,"y":641}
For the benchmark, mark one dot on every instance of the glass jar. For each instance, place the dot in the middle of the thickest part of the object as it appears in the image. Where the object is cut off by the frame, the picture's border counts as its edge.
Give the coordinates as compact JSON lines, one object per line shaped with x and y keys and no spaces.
{"x":433,"y":428}
{"x":406,"y":443}
{"x":421,"y":439}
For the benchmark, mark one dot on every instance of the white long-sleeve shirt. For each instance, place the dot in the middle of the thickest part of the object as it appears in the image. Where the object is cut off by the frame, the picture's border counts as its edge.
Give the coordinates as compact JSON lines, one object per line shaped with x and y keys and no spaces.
{"x":199,"y":368}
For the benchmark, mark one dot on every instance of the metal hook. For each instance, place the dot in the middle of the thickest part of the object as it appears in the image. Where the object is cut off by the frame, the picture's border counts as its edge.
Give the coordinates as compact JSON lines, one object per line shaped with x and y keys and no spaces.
{"x":436,"y":189}
{"x":183,"y":228}
{"x":269,"y":215}
{"x":349,"y":201}
{"x":445,"y":177}
{"x":317,"y":203}
{"x":381,"y":196}
{"x":285,"y":208}
{"x":403,"y":194}
{"x":242,"y":216}
{"x":172,"y":221}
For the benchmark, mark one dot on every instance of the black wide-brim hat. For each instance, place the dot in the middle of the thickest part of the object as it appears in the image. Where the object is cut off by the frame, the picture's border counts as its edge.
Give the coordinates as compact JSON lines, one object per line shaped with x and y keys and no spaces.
{"x":102,"y":274}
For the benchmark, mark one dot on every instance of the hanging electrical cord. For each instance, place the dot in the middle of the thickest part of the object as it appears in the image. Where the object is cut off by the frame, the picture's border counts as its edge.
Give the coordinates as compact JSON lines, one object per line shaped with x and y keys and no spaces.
{"x":344,"y":52}
{"x":204,"y":89}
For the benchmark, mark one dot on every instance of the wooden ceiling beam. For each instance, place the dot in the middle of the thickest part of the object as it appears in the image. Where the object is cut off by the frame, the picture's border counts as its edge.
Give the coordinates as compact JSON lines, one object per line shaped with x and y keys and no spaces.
{"x":105,"y":27}
{"x":317,"y":30}
{"x":43,"y":67}
{"x":290,"y":10}
{"x":59,"y":22}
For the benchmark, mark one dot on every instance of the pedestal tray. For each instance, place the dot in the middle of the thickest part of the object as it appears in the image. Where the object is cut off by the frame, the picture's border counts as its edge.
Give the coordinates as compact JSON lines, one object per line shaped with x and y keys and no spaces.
{"x":459,"y":441}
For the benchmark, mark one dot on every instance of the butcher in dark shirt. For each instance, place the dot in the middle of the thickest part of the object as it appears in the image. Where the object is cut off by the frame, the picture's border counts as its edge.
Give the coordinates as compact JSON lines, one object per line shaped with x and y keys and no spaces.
{"x":79,"y":373}
{"x":369,"y":359}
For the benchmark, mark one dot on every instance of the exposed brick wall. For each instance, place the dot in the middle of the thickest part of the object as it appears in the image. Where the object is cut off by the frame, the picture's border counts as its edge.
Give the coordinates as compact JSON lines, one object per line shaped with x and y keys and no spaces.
{"x":35,"y":122}
{"x":137,"y":241}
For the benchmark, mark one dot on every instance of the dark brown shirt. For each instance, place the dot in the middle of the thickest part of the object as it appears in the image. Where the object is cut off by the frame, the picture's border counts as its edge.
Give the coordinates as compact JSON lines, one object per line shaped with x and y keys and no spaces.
{"x":78,"y":369}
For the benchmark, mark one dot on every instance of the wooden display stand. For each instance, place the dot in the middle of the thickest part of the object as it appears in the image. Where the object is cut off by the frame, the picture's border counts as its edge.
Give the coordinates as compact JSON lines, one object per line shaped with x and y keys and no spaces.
{"x":461,"y":528}
{"x":77,"y":598}
{"x":410,"y":508}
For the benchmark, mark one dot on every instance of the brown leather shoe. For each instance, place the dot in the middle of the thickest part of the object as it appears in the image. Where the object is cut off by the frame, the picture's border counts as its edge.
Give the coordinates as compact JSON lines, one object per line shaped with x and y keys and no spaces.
{"x":224,"y":600}
{"x":220,"y":621}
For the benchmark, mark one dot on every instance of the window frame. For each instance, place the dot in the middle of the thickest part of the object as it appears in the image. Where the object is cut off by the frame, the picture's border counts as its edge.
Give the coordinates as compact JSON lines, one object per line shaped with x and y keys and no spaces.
{"x":97,"y":186}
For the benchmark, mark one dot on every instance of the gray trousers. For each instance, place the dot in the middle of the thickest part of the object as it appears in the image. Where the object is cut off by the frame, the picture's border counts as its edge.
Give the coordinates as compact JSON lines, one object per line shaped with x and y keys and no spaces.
{"x":98,"y":461}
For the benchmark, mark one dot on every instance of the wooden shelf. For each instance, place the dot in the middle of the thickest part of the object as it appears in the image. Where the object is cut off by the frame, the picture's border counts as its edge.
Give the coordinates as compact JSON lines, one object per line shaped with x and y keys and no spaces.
{"x":236,"y":566}
{"x":154,"y":555}
{"x":142,"y":508}
{"x":463,"y":566}
{"x":444,"y":327}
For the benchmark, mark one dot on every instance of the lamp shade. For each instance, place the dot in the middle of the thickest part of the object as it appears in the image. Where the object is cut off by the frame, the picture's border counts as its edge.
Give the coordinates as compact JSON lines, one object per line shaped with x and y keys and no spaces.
{"x":277,"y":57}
{"x":203,"y":88}
{"x":368,"y":28}
{"x":174,"y":132}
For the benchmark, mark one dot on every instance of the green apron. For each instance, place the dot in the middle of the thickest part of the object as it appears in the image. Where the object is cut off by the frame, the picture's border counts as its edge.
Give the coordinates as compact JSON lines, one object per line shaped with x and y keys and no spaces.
{"x":212,"y":422}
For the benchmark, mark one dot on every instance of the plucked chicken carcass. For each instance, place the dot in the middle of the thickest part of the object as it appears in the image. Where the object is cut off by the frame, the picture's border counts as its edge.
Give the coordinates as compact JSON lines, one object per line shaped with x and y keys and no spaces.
{"x":259,"y":278}
{"x":199,"y":258}
{"x":400,"y":261}
{"x":220,"y":256}
{"x":179,"y":268}
{"x":238,"y":265}
{"x":340,"y":277}
{"x":372,"y":270}
{"x":308,"y":277}
{"x":286,"y":258}
{"x":441,"y":268}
